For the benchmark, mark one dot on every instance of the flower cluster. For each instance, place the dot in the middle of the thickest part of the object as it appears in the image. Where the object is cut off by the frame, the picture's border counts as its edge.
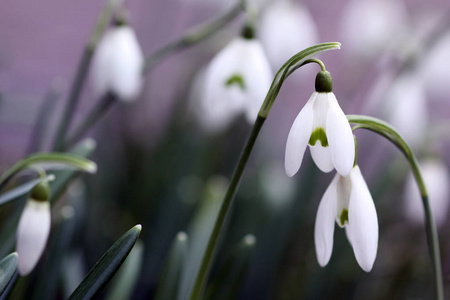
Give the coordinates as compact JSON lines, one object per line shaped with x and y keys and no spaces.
{"x":323,"y":126}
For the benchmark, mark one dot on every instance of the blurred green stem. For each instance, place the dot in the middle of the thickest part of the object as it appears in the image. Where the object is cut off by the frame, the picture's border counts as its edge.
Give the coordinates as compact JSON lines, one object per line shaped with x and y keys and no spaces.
{"x":83,"y":67}
{"x":191,"y":38}
{"x":194,"y":36}
{"x":290,"y":66}
{"x":97,"y":112}
{"x":386,"y":130}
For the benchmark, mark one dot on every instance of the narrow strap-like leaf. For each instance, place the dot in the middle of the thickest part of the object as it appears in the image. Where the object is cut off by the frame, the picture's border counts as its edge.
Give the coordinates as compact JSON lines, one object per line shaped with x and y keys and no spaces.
{"x":8,"y":266}
{"x":107,"y":266}
{"x":170,"y":277}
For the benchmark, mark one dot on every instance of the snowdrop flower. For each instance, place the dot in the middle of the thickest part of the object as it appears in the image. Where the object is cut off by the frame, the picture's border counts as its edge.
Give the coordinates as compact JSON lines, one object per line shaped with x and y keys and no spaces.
{"x":323,"y":126}
{"x":117,"y":64}
{"x":236,"y":80}
{"x":347,"y":201}
{"x":408,"y":110}
{"x":282,"y":17}
{"x":436,"y":177}
{"x":367,"y":25}
{"x":33,"y":228}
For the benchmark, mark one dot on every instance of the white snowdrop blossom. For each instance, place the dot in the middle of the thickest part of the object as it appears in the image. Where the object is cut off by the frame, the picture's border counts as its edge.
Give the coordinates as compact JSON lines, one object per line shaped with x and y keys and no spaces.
{"x":236,"y":80}
{"x":117,"y":65}
{"x":347,"y":201}
{"x":367,"y":25}
{"x":285,"y":28}
{"x":323,"y":126}
{"x":32,"y":234}
{"x":407,"y":108}
{"x":436,"y":177}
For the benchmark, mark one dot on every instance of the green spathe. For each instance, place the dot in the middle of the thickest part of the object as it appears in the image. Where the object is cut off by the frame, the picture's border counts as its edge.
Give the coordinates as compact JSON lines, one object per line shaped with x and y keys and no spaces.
{"x":236,"y":79}
{"x":41,"y":191}
{"x":318,"y":134}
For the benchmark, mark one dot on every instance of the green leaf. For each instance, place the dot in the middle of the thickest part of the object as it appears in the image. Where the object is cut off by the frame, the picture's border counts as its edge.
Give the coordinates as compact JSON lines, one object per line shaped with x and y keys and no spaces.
{"x":8,"y":266}
{"x":290,"y":66}
{"x":107,"y":266}
{"x":170,"y":277}
{"x":126,"y":278}
{"x":21,"y":190}
{"x":51,"y":160}
{"x":232,"y":274}
{"x":199,"y":233}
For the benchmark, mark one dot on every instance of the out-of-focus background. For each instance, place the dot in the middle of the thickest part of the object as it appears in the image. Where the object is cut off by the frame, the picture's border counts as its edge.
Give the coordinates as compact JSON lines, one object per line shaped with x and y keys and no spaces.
{"x":156,"y":162}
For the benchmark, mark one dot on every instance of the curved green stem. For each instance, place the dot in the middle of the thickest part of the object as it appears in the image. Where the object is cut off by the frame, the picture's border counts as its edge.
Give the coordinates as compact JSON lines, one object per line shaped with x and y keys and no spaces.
{"x":83,"y":67}
{"x":290,"y":66}
{"x":194,"y":36}
{"x":387,"y":131}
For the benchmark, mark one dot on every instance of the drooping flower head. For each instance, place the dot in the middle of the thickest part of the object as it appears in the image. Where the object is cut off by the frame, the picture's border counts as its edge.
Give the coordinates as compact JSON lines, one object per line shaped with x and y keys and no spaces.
{"x":347,"y":201}
{"x":118,"y":63}
{"x":323,"y":126}
{"x":235,"y":81}
{"x":33,"y":228}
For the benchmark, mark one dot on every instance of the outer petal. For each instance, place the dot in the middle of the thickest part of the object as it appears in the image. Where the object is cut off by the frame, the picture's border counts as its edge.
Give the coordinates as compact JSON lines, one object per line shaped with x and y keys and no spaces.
{"x":298,"y":138}
{"x":324,"y":228}
{"x":32,"y":234}
{"x":340,"y":138}
{"x":362,"y":222}
{"x":322,"y":157}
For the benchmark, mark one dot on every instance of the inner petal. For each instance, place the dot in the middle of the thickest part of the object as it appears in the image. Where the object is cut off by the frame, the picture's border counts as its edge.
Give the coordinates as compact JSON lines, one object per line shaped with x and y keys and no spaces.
{"x":322,"y":157}
{"x":344,"y":187}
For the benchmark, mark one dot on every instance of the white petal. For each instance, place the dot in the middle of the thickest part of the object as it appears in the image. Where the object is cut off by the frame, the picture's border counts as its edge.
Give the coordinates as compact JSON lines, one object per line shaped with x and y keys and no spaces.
{"x":258,"y":77}
{"x":340,"y":138}
{"x":324,"y":227}
{"x":322,"y":157}
{"x":32,"y":234}
{"x":362,"y":222}
{"x":298,"y":138}
{"x":286,"y":16}
{"x":118,"y":63}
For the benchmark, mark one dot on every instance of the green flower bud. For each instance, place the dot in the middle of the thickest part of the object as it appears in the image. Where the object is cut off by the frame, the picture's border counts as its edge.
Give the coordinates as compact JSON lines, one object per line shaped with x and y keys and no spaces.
{"x":41,"y":191}
{"x":324,"y":83}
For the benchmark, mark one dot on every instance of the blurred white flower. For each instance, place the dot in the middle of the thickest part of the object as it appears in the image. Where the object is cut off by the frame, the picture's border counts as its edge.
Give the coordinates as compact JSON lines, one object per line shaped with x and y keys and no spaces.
{"x":369,"y":26}
{"x":285,"y":29}
{"x":347,"y":201}
{"x":407,"y":108}
{"x":437,"y":69}
{"x":437,"y":178}
{"x":32,"y":234}
{"x":235,"y":81}
{"x":117,"y":64}
{"x":321,"y":120}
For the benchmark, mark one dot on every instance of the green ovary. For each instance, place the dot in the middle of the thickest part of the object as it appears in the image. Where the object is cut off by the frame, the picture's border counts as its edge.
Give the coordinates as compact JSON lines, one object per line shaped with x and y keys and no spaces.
{"x":318,"y":135}
{"x":343,"y":217}
{"x":236,"y":79}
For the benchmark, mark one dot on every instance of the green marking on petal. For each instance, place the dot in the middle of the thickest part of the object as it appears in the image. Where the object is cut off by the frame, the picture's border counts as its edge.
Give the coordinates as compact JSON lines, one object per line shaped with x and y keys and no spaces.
{"x":318,"y":134}
{"x":343,"y":217}
{"x":236,"y":79}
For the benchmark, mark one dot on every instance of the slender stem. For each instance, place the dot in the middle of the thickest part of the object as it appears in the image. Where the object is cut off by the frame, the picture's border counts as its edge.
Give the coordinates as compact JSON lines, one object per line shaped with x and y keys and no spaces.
{"x":200,"y":281}
{"x":391,"y":134}
{"x":192,"y":37}
{"x":83,"y":67}
{"x":97,"y":112}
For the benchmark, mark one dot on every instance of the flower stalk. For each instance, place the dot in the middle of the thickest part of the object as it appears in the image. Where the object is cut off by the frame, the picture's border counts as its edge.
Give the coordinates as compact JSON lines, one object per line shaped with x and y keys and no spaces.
{"x":387,"y":131}
{"x":290,"y":66}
